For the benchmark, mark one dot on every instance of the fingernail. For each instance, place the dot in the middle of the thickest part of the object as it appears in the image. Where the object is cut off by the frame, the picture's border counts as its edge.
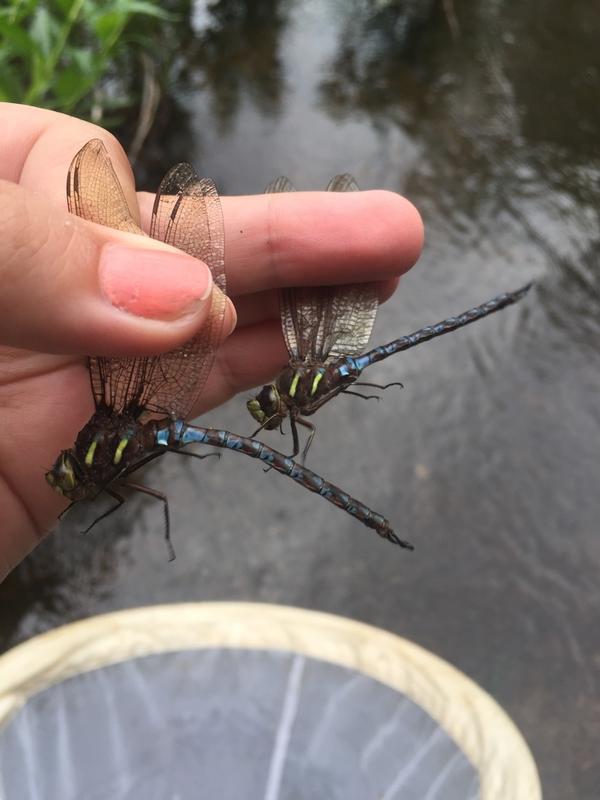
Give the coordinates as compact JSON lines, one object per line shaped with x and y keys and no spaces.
{"x":229,"y":313}
{"x":153,"y":283}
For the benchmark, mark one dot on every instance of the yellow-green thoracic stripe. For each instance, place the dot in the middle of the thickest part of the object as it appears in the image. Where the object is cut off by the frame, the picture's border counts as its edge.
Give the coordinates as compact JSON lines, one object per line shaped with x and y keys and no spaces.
{"x":89,"y":456}
{"x":119,"y":451}
{"x":316,"y":381}
{"x":294,"y":384}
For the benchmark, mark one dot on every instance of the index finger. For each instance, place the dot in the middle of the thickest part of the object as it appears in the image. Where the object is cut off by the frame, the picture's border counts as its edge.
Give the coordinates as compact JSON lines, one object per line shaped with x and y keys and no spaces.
{"x":315,"y":238}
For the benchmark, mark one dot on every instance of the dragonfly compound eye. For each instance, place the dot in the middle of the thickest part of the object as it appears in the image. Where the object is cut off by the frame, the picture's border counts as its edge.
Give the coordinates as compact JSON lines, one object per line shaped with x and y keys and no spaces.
{"x":254,"y":408}
{"x":62,"y":476}
{"x":265,"y":405}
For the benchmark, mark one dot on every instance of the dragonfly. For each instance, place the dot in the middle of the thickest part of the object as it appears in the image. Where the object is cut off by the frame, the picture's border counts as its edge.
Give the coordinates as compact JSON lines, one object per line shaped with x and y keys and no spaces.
{"x":326,"y":330}
{"x":141,"y":402}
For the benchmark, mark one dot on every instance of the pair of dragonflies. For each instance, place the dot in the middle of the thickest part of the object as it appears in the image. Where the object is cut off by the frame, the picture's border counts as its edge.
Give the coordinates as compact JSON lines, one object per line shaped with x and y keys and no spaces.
{"x":141,"y":402}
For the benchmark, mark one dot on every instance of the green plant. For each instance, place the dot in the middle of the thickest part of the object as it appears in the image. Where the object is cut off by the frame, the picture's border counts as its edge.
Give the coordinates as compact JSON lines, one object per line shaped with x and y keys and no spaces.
{"x":79,"y":56}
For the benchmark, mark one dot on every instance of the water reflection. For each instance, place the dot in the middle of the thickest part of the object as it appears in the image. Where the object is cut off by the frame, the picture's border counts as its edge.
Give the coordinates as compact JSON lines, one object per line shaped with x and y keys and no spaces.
{"x":375,"y":69}
{"x":230,"y":50}
{"x":496,"y":143}
{"x":236,"y":55}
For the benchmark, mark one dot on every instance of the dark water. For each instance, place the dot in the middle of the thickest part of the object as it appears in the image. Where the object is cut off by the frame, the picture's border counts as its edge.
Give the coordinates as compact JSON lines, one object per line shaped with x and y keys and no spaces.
{"x":488,"y":458}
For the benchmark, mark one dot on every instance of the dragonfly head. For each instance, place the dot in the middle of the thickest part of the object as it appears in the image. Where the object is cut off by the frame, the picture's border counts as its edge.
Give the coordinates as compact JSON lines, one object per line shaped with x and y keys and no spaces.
{"x":267,"y":407}
{"x":64,"y":476}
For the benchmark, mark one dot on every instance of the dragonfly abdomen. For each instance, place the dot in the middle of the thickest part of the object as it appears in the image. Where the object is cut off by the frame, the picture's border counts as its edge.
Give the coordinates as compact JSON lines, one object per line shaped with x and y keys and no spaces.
{"x":175,"y":434}
{"x":359,"y":363}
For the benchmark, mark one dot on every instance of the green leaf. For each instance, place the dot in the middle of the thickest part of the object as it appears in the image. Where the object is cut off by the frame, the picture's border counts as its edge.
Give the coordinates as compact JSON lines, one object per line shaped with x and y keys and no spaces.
{"x":86,"y":61}
{"x":11,"y":86}
{"x":70,"y":84}
{"x":18,"y":10}
{"x":15,"y":39}
{"x":107,"y":25}
{"x":148,"y":10}
{"x":64,"y":7}
{"x":44,"y":30}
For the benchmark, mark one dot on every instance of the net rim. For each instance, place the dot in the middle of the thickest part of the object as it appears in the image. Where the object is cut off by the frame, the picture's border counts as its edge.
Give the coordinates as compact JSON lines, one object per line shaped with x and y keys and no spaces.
{"x":468,"y":714}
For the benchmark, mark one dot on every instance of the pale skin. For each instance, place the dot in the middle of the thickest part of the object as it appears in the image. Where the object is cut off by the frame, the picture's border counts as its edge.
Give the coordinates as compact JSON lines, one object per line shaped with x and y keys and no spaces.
{"x":53,"y":310}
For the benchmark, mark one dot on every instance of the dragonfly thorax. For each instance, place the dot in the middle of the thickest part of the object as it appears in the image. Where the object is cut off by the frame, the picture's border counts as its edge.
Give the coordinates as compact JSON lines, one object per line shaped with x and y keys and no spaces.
{"x":106,"y":446}
{"x":300,"y":389}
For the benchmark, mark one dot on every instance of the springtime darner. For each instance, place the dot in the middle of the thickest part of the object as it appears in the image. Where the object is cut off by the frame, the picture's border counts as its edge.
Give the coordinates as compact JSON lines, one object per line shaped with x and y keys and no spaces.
{"x":326,"y":328}
{"x":141,"y":402}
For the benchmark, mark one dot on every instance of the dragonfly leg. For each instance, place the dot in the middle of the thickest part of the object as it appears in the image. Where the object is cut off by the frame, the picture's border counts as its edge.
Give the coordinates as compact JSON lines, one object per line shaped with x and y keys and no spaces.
{"x":66,"y":510}
{"x":263,"y":426}
{"x":120,"y":500}
{"x":295,"y":437}
{"x":378,"y":385}
{"x":363,"y":396}
{"x":163,"y":498}
{"x":309,"y":441}
{"x":375,"y":386}
{"x":282,"y":432}
{"x":192,"y":455}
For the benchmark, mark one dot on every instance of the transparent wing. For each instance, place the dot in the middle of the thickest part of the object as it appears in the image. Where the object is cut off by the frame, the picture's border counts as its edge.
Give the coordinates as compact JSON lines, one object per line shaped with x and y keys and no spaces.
{"x":322,"y":323}
{"x":342,"y":183}
{"x":168,"y":383}
{"x":187,"y":214}
{"x":280,"y":184}
{"x":94,"y":191}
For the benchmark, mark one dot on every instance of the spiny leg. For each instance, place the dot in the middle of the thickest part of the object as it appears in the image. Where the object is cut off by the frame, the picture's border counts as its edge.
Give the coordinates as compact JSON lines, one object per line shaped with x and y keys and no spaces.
{"x":295,"y":438}
{"x":378,"y":385}
{"x":263,"y":426}
{"x":163,"y":498}
{"x":374,"y":385}
{"x":191,"y":455}
{"x":309,"y":441}
{"x":120,"y":500}
{"x":362,"y":396}
{"x":66,"y":510}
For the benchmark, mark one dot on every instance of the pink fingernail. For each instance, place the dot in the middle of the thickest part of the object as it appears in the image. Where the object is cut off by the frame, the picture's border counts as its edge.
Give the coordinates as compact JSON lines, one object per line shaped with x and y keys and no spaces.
{"x":153,"y":283}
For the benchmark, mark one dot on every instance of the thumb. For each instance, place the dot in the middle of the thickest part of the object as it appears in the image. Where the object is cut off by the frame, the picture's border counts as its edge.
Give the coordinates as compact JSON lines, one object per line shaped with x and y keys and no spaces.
{"x":71,"y":286}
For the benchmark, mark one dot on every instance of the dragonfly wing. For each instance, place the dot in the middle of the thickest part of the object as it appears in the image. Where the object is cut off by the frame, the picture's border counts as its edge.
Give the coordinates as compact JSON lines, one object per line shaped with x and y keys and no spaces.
{"x":342,"y":183}
{"x":321,"y":323}
{"x":293,"y":322}
{"x":94,"y":191}
{"x":302,"y":309}
{"x":354,"y":305}
{"x":280,"y":184}
{"x":305,"y":311}
{"x":95,"y":194}
{"x":187,"y":214}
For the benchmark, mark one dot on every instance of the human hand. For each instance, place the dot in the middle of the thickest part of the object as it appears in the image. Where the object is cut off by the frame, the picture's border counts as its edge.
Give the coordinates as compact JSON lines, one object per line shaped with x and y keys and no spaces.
{"x":54,"y":309}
